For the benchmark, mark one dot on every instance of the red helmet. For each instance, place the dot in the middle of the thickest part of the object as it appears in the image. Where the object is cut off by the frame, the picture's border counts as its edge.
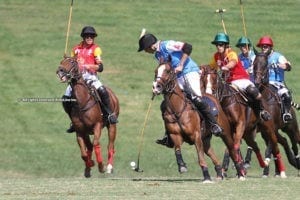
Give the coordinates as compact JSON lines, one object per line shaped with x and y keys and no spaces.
{"x":265,"y":40}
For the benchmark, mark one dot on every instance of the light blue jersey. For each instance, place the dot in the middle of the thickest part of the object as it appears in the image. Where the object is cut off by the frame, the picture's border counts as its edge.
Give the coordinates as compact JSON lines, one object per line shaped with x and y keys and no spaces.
{"x":275,"y":73}
{"x":171,"y":50}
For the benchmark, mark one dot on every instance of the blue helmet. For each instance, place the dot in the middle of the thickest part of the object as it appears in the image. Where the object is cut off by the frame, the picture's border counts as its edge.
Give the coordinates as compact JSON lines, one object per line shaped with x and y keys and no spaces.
{"x":221,"y":38}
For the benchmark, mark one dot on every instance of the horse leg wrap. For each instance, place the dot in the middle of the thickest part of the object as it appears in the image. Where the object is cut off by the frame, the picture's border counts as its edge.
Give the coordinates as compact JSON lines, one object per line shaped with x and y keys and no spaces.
{"x":110,"y":156}
{"x":260,"y":160}
{"x":226,"y":161}
{"x":205,"y":173}
{"x":218,"y":170}
{"x":279,"y":163}
{"x":98,"y":154}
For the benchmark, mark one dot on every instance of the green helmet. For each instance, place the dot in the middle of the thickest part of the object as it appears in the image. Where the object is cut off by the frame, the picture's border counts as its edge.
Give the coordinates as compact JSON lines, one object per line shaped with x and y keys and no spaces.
{"x":243,"y":41}
{"x":221,"y":38}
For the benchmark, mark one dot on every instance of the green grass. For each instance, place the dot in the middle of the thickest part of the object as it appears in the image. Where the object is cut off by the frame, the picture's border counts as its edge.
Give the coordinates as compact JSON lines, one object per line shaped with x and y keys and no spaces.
{"x":36,"y":153}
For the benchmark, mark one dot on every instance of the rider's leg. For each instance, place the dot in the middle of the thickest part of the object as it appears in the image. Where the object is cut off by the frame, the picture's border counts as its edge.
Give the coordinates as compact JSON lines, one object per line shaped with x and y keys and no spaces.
{"x":106,"y":101}
{"x":67,"y":105}
{"x":254,"y":93}
{"x":286,"y":100}
{"x":203,"y":108}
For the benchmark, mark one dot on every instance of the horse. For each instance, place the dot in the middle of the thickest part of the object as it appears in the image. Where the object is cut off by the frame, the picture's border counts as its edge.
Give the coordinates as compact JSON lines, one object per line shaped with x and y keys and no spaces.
{"x":89,"y":117}
{"x":184,"y":124}
{"x":269,"y":93}
{"x":242,"y":118}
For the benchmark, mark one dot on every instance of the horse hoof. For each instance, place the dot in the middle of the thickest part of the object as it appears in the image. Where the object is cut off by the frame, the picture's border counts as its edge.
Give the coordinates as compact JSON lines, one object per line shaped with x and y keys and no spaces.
{"x":207,"y":181}
{"x":264,"y":176}
{"x":183,"y":169}
{"x":109,"y":169}
{"x":87,"y":172}
{"x":242,"y":178}
{"x":101,"y":168}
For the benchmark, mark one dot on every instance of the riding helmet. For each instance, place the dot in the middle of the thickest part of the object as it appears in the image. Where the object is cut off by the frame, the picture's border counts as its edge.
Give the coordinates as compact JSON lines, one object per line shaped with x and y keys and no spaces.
{"x":265,"y":40}
{"x":88,"y":30}
{"x":146,"y":41}
{"x":221,"y":38}
{"x":243,"y":41}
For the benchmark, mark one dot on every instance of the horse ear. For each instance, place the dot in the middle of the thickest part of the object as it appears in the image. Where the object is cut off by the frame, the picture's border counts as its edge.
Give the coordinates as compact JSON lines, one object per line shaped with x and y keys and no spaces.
{"x":255,"y":51}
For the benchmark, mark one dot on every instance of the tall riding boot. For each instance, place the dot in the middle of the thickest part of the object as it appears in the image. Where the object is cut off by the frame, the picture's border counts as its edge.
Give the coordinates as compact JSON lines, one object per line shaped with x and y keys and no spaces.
{"x":203,"y":108}
{"x":258,"y":107}
{"x":67,"y":105}
{"x":286,"y":100}
{"x":106,"y":103}
{"x":265,"y":115}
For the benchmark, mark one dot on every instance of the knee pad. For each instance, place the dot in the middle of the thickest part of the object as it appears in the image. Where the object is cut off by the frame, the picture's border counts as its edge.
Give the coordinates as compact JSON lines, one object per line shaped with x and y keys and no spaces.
{"x":252,"y":91}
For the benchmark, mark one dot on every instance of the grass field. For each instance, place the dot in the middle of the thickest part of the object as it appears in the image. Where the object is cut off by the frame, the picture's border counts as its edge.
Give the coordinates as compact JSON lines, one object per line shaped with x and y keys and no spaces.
{"x":39,"y":161}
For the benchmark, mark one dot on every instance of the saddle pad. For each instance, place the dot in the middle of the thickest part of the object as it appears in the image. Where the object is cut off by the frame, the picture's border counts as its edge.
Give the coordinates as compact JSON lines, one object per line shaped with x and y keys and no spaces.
{"x":212,"y":106}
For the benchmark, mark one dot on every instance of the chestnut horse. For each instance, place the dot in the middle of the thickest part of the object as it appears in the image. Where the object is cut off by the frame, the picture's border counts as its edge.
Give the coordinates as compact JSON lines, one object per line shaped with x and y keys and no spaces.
{"x":269,"y":92}
{"x":244,"y":122}
{"x":184,"y":124}
{"x":88,"y":117}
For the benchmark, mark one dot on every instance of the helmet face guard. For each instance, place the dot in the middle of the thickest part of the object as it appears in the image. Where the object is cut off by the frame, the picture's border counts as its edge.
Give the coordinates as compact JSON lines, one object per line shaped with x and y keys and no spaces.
{"x":88,"y":30}
{"x":146,"y":41}
{"x":221,"y":38}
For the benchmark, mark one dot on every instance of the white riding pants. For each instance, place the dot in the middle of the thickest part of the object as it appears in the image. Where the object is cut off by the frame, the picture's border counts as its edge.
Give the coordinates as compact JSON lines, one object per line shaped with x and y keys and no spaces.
{"x":190,"y":83}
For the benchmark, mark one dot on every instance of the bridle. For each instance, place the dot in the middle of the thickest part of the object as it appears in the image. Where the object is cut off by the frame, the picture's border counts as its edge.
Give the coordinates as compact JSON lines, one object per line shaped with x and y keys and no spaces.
{"x":72,"y":73}
{"x":260,"y":69}
{"x":167,"y":85}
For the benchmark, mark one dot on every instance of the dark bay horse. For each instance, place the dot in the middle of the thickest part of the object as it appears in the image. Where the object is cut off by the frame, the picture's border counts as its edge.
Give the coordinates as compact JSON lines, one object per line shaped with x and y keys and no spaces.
{"x":269,"y":92}
{"x":183,"y":123}
{"x":244,"y":122}
{"x":88,"y":117}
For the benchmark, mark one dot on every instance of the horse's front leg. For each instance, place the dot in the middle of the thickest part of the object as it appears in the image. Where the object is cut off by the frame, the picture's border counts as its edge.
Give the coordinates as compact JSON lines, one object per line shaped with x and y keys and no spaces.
{"x":97,"y":147}
{"x":112,"y":133}
{"x":182,"y":168}
{"x":201,"y":159}
{"x":86,"y":150}
{"x":211,"y":153}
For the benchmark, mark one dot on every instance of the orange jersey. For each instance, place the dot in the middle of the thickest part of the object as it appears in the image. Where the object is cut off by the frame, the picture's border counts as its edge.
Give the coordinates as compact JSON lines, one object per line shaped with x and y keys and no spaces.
{"x":235,"y":73}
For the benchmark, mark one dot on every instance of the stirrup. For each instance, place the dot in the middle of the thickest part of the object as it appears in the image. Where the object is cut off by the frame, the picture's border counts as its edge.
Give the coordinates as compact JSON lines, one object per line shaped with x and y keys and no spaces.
{"x":265,"y":115}
{"x":216,"y":130}
{"x":112,"y":119}
{"x":287,"y":117}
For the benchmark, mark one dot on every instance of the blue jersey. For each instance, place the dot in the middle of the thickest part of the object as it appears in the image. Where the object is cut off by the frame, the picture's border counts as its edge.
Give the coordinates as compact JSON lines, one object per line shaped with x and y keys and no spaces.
{"x":275,"y":74}
{"x":171,"y":51}
{"x":247,"y":63}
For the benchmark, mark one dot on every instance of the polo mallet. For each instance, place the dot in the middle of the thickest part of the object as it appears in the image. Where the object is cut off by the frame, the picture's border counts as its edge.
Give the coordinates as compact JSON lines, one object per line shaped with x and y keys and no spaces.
{"x":221,"y":11}
{"x":137,"y":168}
{"x":243,"y":18}
{"x":68,"y":29}
{"x":143,"y":32}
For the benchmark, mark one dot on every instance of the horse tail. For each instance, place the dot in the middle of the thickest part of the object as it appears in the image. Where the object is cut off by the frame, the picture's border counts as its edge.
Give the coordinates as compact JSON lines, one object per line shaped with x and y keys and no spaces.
{"x":295,"y":105}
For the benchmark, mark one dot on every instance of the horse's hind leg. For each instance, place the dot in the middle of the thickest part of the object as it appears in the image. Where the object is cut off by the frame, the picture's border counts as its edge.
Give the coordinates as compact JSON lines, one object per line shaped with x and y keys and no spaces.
{"x":112,"y":133}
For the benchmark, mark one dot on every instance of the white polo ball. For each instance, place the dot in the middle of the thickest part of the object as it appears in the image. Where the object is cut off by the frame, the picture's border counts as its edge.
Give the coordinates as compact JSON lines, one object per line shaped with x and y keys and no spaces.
{"x":132,"y":164}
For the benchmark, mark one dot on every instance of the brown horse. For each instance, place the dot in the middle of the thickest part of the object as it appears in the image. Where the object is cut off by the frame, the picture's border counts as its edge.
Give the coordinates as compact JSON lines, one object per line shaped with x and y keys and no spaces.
{"x":88,"y":117}
{"x":243,"y":120}
{"x":269,"y":92}
{"x":183,"y":123}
